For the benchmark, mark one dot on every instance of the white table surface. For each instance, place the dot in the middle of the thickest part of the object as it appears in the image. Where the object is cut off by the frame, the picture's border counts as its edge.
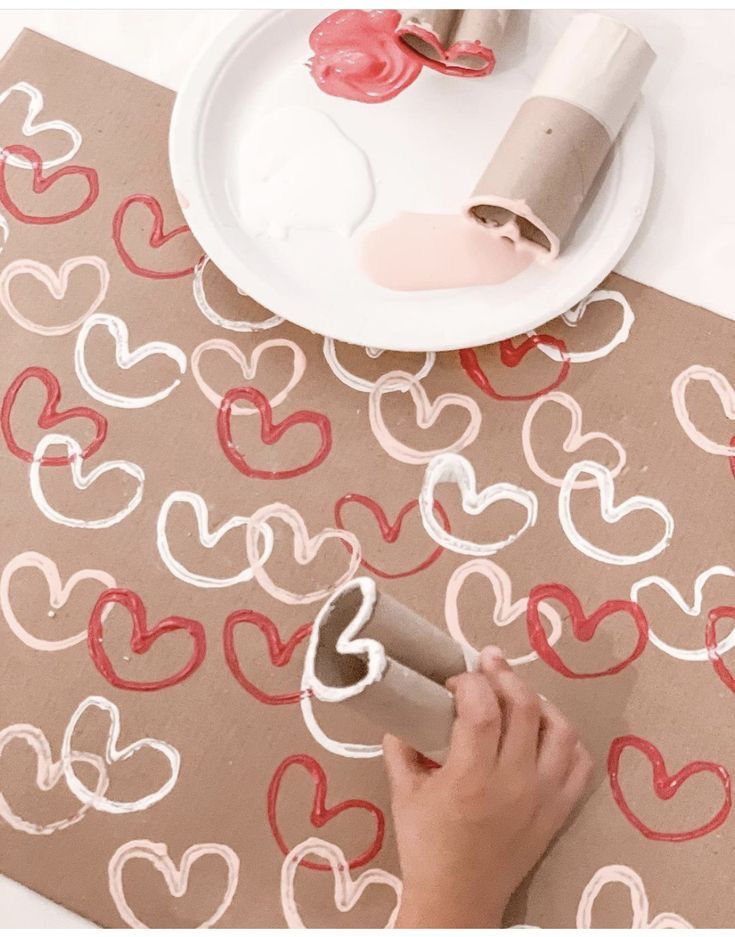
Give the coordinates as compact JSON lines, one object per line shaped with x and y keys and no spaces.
{"x":686,"y":245}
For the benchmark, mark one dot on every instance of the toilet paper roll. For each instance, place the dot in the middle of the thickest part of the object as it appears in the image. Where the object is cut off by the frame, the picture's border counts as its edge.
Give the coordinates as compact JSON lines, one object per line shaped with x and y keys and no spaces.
{"x":548,"y":159}
{"x":387,"y":663}
{"x":456,"y":42}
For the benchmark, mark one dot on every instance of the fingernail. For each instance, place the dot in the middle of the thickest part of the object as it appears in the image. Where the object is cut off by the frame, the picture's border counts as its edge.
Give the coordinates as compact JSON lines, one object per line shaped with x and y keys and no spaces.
{"x":491,"y":653}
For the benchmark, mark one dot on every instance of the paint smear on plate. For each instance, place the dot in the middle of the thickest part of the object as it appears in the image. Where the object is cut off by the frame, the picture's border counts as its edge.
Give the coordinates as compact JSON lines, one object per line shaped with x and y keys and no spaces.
{"x":299,"y":171}
{"x":358,"y":56}
{"x":433,"y":252}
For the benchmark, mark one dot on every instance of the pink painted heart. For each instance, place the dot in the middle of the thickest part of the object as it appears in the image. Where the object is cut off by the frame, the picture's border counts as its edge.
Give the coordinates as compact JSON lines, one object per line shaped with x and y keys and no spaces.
{"x":157,"y":239}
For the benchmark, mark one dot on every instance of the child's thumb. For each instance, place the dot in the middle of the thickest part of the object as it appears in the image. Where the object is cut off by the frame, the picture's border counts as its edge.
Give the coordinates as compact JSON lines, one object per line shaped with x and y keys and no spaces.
{"x":403,"y":765}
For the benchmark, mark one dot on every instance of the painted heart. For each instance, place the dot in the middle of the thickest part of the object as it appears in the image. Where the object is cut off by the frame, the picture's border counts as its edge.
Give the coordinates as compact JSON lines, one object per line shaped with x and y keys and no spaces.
{"x":505,"y":612}
{"x":279,"y":651}
{"x":270,"y":433}
{"x":457,"y":470}
{"x":42,"y":183}
{"x":347,"y":892}
{"x":58,"y":596}
{"x":583,"y":627}
{"x":575,"y":316}
{"x":249,"y":368}
{"x":82,"y":482}
{"x":611,"y":513}
{"x":48,"y":775}
{"x":732,"y":458}
{"x":724,"y":390}
{"x":390,"y":532}
{"x":665,"y":786}
{"x":362,"y":384}
{"x":448,"y":60}
{"x":305,"y":550}
{"x":31,"y":127}
{"x":574,"y":441}
{"x":157,"y":239}
{"x":49,"y":417}
{"x":125,"y":359}
{"x":713,"y":651}
{"x":176,"y":878}
{"x":624,"y":875}
{"x":427,"y":413}
{"x":209,"y":539}
{"x":511,"y":356}
{"x":141,"y":640}
{"x":232,"y":325}
{"x":113,"y":754}
{"x":57,"y":285}
{"x":320,"y":813}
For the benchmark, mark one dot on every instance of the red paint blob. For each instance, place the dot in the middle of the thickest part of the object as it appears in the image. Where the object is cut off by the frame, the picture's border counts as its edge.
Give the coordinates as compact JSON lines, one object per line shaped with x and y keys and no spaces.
{"x":710,"y":640}
{"x":320,"y":813}
{"x":270,"y":433}
{"x":358,"y":56}
{"x":447,"y":57}
{"x":665,"y":787}
{"x":141,"y":640}
{"x":389,"y":532}
{"x":49,"y":417}
{"x":279,"y":651}
{"x":511,"y":356}
{"x":41,"y":183}
{"x":157,"y":237}
{"x":583,"y":627}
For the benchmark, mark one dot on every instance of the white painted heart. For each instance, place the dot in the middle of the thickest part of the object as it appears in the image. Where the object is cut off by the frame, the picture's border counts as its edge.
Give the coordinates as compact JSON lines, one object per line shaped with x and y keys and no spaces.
{"x":574,"y":441}
{"x":31,"y":127}
{"x":208,"y":539}
{"x":248,"y":367}
{"x":58,"y":594}
{"x":82,"y":482}
{"x":611,"y":514}
{"x":347,"y":892}
{"x":176,"y":878}
{"x":574,"y":317}
{"x":693,"y":609}
{"x":48,"y":775}
{"x":232,"y":325}
{"x":457,"y":470}
{"x":57,"y":285}
{"x":624,"y":875}
{"x":724,"y":390}
{"x":113,"y":754}
{"x":360,"y":383}
{"x":506,"y":611}
{"x":305,"y":549}
{"x":125,"y":359}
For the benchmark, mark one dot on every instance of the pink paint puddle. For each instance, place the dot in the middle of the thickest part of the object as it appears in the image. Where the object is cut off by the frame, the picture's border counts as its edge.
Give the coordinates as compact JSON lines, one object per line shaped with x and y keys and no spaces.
{"x":439,"y":252}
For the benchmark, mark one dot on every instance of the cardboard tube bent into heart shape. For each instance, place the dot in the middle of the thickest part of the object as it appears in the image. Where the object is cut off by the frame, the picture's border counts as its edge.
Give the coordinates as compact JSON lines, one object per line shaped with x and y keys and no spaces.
{"x":456,"y":42}
{"x":545,"y":165}
{"x":387,"y":663}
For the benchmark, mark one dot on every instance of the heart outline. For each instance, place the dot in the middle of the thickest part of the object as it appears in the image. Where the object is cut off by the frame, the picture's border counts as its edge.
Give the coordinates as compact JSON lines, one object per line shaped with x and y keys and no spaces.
{"x":41,"y":183}
{"x":30,"y":128}
{"x":624,"y":875}
{"x":511,"y":356}
{"x":232,"y":325}
{"x":573,"y":317}
{"x":359,"y":383}
{"x":724,"y":390}
{"x":157,"y":237}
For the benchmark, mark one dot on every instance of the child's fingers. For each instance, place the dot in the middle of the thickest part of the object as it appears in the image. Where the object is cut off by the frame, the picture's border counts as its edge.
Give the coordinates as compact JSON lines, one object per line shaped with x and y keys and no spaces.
{"x":521,"y":708}
{"x":403,"y":765}
{"x":580,"y":775}
{"x":557,"y":746}
{"x":477,"y":726}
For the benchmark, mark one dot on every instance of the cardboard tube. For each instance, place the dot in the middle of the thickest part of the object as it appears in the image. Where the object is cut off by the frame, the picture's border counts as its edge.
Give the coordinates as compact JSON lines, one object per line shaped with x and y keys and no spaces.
{"x":548,"y":159}
{"x":457,"y":42}
{"x":387,"y":663}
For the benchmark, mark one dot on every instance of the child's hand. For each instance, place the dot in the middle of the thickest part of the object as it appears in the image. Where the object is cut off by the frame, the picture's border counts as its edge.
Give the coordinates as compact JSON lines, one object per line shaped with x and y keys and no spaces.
{"x":469,"y":832}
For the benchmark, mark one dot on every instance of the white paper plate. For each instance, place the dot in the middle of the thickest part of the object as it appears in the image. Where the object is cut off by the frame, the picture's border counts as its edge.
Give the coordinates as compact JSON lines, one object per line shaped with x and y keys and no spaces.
{"x":427,"y":147}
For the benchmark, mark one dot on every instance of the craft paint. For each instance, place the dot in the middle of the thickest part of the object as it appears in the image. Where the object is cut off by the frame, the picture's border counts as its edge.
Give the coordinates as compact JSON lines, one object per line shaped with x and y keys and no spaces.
{"x":156,"y":239}
{"x":125,"y":359}
{"x":573,"y":442}
{"x":427,"y":413}
{"x":724,"y":390}
{"x":358,"y":56}
{"x":360,"y":383}
{"x":31,"y":127}
{"x":623,"y":875}
{"x":510,"y":357}
{"x":56,"y":284}
{"x":710,"y":640}
{"x":611,"y":514}
{"x":300,"y":172}
{"x":436,"y":252}
{"x":41,"y":183}
{"x":233,"y":325}
{"x":346,"y":891}
{"x":573,"y":317}
{"x":176,"y":878}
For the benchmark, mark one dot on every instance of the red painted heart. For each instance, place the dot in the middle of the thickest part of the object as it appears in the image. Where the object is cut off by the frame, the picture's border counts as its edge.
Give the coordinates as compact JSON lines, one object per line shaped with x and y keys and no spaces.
{"x":710,"y":640}
{"x":389,"y":532}
{"x":665,"y":786}
{"x":320,"y":813}
{"x":583,"y":627}
{"x":156,"y":240}
{"x":42,"y":183}
{"x":141,"y":640}
{"x":280,"y":652}
{"x":732,"y":458}
{"x":457,"y":50}
{"x":49,"y":417}
{"x":511,"y":356}
{"x":270,"y":433}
